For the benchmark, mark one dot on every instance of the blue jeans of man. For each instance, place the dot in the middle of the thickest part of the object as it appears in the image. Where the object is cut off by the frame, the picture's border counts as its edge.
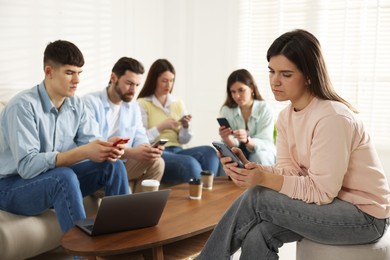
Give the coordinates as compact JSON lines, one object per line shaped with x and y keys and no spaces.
{"x":62,"y":188}
{"x":261,"y":220}
{"x":183,"y":164}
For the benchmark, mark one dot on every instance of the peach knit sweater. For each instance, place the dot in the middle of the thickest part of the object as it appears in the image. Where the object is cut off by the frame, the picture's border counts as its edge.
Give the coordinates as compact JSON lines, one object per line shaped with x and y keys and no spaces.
{"x":324,"y":152}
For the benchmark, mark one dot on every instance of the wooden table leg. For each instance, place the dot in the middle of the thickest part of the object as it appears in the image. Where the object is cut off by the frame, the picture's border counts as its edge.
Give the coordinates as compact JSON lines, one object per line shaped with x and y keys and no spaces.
{"x":158,"y":253}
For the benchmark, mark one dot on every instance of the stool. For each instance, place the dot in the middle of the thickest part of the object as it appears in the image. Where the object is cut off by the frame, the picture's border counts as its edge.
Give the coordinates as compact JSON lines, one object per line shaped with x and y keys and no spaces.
{"x":309,"y":250}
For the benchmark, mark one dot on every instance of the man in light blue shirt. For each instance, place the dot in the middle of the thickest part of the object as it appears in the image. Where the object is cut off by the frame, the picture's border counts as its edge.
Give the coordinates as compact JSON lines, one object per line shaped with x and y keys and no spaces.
{"x":49,"y":148}
{"x":119,"y":115}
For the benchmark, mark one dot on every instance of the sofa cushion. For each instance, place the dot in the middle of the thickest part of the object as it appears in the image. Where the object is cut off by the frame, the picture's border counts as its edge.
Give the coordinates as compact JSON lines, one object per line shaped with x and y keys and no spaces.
{"x":23,"y":236}
{"x":26,"y":236}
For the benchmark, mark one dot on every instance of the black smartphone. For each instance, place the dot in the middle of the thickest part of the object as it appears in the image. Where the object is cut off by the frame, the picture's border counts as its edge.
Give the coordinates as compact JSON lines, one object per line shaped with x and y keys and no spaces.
{"x":159,"y":142}
{"x":223,"y":122}
{"x":227,"y":152}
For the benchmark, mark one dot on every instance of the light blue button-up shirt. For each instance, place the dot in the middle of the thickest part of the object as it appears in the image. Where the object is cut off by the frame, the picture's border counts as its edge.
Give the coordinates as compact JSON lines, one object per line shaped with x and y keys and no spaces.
{"x":130,"y":120}
{"x":33,"y":132}
{"x":260,"y":124}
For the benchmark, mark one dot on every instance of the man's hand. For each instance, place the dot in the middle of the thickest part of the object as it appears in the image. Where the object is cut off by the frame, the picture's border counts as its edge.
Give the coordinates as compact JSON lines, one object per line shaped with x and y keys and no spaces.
{"x":144,"y":152}
{"x":100,"y":151}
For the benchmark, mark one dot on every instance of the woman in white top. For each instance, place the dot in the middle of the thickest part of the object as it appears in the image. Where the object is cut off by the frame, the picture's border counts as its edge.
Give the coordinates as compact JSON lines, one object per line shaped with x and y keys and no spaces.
{"x":165,"y":117}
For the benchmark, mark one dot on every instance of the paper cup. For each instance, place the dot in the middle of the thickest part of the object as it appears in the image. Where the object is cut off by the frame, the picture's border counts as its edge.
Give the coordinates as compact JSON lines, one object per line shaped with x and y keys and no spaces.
{"x":150,"y":185}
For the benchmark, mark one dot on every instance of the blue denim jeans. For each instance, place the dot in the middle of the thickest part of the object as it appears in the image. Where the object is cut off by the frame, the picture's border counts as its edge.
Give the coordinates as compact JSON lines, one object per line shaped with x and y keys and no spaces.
{"x":183,"y":164}
{"x":264,"y":156}
{"x":63,"y":189}
{"x":261,"y":220}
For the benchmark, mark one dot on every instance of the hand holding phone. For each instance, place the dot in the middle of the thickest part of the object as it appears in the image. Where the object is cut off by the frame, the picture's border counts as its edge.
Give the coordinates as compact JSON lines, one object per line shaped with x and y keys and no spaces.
{"x":227,"y":152}
{"x":223,"y":122}
{"x":185,"y":120}
{"x":159,"y":142}
{"x":121,"y":141}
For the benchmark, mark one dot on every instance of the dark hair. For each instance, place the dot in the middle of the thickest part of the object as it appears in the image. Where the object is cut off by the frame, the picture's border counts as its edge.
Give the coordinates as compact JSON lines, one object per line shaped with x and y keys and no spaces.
{"x":124,"y":64}
{"x":158,"y":67}
{"x":243,"y":76}
{"x":62,"y":53}
{"x":304,"y":50}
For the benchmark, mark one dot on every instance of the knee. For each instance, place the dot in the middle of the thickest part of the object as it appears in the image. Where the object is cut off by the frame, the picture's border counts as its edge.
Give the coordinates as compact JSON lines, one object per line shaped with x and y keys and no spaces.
{"x":117,"y":168}
{"x":64,"y":177}
{"x":209,"y":151}
{"x":159,"y":164}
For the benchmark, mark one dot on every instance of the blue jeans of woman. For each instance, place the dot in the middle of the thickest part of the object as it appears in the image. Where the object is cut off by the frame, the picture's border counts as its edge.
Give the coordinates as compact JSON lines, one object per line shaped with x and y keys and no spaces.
{"x":62,"y":188}
{"x":183,"y":164}
{"x":261,"y":220}
{"x":264,"y":156}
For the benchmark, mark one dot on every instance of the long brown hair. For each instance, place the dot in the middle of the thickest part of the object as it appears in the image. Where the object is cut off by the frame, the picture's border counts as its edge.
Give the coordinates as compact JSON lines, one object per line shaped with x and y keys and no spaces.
{"x":243,"y":76}
{"x":158,"y":67}
{"x":304,"y":50}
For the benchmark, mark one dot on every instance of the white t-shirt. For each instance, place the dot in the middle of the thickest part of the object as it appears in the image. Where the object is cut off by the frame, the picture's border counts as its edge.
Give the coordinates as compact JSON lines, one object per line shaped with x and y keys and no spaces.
{"x":113,"y":119}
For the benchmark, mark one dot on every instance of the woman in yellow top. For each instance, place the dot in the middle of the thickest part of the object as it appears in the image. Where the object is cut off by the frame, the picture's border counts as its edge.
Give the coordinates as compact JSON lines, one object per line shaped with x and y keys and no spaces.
{"x":165,"y":116}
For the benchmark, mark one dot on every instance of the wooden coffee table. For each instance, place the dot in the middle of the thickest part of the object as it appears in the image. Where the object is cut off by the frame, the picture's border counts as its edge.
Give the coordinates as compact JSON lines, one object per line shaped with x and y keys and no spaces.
{"x":182,"y":218}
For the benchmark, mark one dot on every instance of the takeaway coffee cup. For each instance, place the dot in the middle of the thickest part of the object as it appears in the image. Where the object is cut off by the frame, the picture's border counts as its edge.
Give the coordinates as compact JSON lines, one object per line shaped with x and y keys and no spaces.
{"x":207,"y":179}
{"x":150,"y":185}
{"x":195,"y":186}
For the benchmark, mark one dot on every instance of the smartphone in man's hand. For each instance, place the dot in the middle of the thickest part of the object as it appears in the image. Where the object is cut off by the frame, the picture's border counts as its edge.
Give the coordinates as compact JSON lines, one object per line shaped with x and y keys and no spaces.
{"x":159,"y":142}
{"x":121,"y":141}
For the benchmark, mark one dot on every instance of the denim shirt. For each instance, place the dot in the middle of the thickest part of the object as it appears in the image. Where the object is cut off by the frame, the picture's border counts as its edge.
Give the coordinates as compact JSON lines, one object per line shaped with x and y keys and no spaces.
{"x":33,"y":132}
{"x":130,"y":119}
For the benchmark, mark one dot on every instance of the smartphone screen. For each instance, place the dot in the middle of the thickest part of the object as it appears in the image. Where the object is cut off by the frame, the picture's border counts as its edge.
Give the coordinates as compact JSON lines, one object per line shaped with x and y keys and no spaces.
{"x":227,"y":152}
{"x":223,"y":122}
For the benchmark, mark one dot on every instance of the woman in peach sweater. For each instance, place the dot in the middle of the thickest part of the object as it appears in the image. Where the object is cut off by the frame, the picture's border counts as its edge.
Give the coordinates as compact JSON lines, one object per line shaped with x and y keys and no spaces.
{"x":328,"y":184}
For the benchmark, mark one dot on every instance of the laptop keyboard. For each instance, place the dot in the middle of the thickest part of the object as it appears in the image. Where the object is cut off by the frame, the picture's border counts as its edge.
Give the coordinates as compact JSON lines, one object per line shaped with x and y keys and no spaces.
{"x":89,"y":227}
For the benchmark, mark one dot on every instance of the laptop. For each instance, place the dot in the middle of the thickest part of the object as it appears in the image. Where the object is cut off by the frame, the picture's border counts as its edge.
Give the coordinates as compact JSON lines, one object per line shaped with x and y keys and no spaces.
{"x":126,"y":212}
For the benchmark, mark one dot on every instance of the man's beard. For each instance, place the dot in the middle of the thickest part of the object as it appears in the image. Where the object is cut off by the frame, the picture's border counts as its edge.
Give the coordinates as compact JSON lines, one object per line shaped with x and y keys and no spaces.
{"x":123,"y":97}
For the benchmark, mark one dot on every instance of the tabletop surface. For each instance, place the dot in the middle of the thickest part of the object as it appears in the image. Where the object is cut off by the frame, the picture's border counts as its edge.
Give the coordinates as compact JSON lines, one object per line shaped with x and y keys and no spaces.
{"x":182,"y":218}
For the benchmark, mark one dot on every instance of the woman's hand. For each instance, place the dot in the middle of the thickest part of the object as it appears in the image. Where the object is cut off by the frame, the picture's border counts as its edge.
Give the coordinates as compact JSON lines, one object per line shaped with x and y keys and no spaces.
{"x":169,"y":123}
{"x":246,"y":178}
{"x":185,"y":121}
{"x":241,"y":135}
{"x":225,"y":132}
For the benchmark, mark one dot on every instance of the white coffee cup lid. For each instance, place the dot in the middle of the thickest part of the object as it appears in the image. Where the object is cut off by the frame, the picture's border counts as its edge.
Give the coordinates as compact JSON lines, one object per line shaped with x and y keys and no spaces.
{"x":150,"y":183}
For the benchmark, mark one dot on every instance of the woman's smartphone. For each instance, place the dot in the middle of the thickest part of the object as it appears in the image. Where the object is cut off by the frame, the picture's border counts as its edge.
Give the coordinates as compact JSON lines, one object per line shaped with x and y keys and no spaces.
{"x":223,"y":122}
{"x":159,"y":142}
{"x":227,"y":152}
{"x":121,"y":141}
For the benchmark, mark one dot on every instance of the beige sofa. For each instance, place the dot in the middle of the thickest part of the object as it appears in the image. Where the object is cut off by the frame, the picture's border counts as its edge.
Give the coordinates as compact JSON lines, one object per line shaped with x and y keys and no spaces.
{"x":22,"y":237}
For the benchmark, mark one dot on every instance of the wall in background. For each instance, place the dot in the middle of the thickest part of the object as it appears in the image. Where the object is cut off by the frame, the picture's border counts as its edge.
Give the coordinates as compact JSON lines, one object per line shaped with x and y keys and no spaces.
{"x":198,"y":36}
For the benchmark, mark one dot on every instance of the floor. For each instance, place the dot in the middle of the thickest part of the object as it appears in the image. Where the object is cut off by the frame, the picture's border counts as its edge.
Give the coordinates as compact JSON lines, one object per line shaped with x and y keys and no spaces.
{"x":287,"y":252}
